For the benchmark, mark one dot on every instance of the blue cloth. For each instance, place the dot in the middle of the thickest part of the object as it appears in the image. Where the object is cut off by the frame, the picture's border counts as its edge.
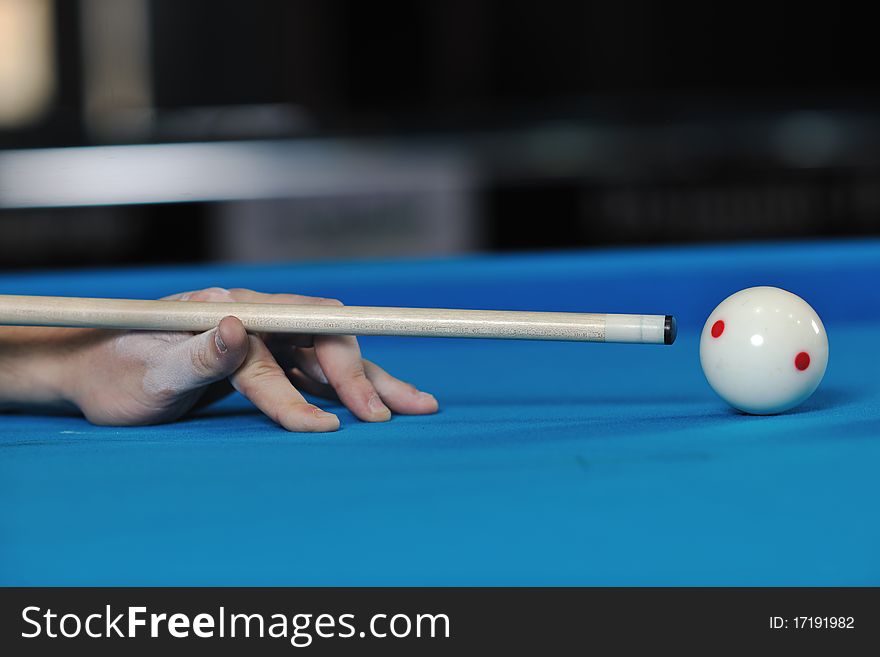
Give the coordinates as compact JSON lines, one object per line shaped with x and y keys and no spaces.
{"x":549,"y":463}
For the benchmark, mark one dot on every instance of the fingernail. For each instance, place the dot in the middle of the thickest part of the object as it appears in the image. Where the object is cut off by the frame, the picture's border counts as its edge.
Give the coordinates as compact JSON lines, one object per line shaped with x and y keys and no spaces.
{"x":426,"y":396}
{"x":317,"y":412}
{"x":221,"y":346}
{"x":376,"y":404}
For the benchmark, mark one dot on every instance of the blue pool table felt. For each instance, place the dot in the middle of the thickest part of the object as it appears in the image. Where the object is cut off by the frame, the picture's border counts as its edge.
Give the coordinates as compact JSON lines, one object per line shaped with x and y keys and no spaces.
{"x":549,"y":463}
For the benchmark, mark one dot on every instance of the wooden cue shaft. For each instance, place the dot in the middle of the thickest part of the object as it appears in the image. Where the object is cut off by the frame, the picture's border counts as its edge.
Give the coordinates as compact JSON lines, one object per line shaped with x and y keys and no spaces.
{"x":136,"y":314}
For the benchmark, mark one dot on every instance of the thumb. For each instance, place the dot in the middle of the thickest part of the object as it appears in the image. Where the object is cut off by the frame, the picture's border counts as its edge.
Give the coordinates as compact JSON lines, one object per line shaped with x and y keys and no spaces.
{"x":204,"y":358}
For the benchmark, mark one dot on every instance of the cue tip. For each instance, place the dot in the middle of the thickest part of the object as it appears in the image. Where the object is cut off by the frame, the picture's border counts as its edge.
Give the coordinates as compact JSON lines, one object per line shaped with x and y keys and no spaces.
{"x":670,"y":330}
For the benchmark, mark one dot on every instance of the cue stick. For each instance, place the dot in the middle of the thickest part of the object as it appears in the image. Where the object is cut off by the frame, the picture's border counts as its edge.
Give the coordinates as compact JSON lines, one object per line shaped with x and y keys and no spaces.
{"x":198,"y":316}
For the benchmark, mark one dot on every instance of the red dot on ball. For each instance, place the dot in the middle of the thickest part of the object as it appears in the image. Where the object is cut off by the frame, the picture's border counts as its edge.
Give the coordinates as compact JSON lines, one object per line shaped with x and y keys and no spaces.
{"x":718,"y":329}
{"x":802,"y":361}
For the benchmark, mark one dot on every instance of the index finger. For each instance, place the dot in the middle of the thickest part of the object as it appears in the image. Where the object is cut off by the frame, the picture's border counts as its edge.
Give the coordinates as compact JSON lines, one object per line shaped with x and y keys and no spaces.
{"x":262,"y":380}
{"x":245,"y":295}
{"x":275,"y":340}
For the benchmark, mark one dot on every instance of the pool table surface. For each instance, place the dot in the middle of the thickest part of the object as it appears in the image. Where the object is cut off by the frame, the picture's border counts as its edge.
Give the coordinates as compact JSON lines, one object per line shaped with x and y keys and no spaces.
{"x":548,"y":464}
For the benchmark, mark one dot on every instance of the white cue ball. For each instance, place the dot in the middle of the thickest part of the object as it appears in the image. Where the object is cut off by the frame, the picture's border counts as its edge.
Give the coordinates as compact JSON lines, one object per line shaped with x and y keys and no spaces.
{"x":764,"y":350}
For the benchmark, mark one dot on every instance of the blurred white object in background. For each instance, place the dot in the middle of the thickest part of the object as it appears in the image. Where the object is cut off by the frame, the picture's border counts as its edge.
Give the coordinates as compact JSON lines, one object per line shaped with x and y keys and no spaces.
{"x":272,"y":200}
{"x":417,"y":223}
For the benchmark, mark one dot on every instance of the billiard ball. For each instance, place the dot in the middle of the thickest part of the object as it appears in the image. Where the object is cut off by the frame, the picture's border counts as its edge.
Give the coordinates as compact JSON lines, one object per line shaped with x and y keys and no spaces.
{"x":764,"y":350}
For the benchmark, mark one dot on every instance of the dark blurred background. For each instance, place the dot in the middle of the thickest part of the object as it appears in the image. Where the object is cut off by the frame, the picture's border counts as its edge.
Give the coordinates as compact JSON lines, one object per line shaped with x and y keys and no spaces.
{"x":146,"y":131}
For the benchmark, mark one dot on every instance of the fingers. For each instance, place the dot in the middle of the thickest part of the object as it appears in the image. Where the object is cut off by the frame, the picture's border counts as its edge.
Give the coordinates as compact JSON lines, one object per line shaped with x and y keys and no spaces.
{"x":250,"y":296}
{"x":262,"y":381}
{"x":214,"y":294}
{"x":334,"y":367}
{"x":399,"y":395}
{"x":198,"y":361}
{"x":307,"y":361}
{"x":340,"y":359}
{"x":244,"y":295}
{"x":219,"y":294}
{"x":309,"y":386}
{"x":248,"y":363}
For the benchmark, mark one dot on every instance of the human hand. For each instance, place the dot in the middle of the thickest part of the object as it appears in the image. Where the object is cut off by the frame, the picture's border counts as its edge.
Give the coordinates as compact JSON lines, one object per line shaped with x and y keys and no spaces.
{"x":148,"y":377}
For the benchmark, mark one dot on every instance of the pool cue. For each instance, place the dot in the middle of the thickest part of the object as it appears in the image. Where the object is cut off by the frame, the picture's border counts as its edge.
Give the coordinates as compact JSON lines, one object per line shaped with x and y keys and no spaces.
{"x":197,"y":316}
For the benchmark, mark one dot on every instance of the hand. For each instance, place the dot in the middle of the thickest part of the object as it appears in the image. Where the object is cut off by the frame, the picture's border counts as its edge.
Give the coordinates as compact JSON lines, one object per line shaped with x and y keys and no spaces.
{"x":139,"y":377}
